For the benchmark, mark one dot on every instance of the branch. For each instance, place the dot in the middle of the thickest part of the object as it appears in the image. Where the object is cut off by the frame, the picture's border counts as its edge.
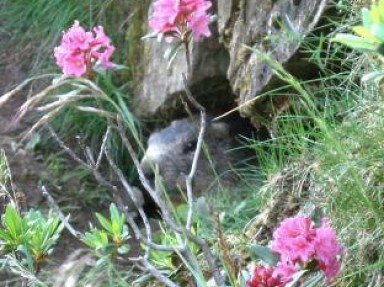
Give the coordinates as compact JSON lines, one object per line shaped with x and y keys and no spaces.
{"x":102,"y":181}
{"x":103,"y":147}
{"x":52,"y":203}
{"x":69,"y":151}
{"x":4,"y":98}
{"x":131,"y":193}
{"x":154,"y":193}
{"x":136,"y":229}
{"x":189,"y":179}
{"x":155,"y":273}
{"x":98,"y":176}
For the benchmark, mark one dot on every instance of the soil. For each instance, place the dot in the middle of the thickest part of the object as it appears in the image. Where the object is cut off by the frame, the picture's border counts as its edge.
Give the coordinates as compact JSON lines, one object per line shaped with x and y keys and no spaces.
{"x":29,"y":170}
{"x":27,"y":167}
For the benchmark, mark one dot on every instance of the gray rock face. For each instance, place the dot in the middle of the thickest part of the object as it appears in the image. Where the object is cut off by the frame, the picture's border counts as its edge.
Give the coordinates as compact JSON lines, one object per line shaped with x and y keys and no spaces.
{"x":171,"y":150}
{"x":225,"y":73}
{"x":161,"y":87}
{"x":274,"y":27}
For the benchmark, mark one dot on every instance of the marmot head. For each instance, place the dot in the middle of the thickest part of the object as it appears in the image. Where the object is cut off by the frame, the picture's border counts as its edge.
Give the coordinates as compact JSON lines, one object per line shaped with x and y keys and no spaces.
{"x":171,"y":152}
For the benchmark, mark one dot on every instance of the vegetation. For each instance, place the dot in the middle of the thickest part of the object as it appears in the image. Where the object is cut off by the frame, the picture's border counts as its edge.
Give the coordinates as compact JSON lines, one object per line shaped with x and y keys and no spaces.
{"x":326,"y":156}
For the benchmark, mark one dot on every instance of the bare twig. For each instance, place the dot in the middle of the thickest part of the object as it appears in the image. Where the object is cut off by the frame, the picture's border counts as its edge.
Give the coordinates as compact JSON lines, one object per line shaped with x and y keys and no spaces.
{"x":4,"y":98}
{"x":154,"y":193}
{"x":89,"y":156}
{"x":101,"y":180}
{"x":189,"y":179}
{"x":182,"y":249}
{"x":231,"y":266}
{"x":102,"y":148}
{"x":156,"y":273}
{"x":65,"y":147}
{"x":208,"y":254}
{"x":52,"y":203}
{"x":98,"y":176}
{"x":136,"y":230}
{"x":131,"y":193}
{"x":164,"y":207}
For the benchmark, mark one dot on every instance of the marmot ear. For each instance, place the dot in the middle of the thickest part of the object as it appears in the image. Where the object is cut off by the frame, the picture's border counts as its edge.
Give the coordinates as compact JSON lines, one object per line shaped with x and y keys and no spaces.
{"x":220,"y":129}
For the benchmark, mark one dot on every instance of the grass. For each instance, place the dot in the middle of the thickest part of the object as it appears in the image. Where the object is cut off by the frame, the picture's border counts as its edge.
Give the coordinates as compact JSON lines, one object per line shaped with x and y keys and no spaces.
{"x":336,"y":123}
{"x":42,"y":23}
{"x":334,"y":126}
{"x":40,"y":26}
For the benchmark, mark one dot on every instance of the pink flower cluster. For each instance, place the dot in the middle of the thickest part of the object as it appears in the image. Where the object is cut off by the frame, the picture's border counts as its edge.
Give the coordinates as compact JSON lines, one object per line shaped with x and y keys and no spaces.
{"x":179,"y":18}
{"x":80,"y":50}
{"x":263,"y":276}
{"x":299,"y":243}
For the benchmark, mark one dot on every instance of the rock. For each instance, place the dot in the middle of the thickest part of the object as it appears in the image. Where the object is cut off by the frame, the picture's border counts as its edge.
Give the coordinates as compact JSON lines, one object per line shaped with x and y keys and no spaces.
{"x":273,"y":27}
{"x":224,"y":71}
{"x":160,"y":88}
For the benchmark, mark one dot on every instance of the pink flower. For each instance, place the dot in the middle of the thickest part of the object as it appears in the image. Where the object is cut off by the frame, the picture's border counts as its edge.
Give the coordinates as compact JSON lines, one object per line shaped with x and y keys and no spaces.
{"x":199,"y":26}
{"x":104,"y":58}
{"x":301,"y":245}
{"x":285,"y":269}
{"x":294,"y":239}
{"x":331,"y":270}
{"x":327,"y":249}
{"x":80,"y":50}
{"x":75,"y":65}
{"x":178,"y":18}
{"x":76,"y":38}
{"x":263,"y":276}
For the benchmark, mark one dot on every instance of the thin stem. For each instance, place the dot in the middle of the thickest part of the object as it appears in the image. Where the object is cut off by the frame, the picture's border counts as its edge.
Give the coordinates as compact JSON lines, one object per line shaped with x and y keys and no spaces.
{"x":61,"y":215}
{"x":156,"y":273}
{"x":188,"y":58}
{"x":189,"y":179}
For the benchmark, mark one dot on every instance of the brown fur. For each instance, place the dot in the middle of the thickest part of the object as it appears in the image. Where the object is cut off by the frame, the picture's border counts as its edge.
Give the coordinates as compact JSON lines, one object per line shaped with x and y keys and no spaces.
{"x":171,"y":150}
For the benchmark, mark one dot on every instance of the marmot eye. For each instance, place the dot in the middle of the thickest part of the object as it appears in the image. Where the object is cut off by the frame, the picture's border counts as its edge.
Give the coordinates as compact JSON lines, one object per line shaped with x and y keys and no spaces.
{"x":190,"y":147}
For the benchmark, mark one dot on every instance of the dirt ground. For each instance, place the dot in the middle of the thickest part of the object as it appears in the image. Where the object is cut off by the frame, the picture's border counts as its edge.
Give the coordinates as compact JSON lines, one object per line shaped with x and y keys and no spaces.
{"x":27,"y":167}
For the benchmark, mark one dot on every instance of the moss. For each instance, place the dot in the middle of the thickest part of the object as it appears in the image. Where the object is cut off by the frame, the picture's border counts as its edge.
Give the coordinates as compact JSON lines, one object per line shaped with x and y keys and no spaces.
{"x":136,"y":30}
{"x":226,"y":36}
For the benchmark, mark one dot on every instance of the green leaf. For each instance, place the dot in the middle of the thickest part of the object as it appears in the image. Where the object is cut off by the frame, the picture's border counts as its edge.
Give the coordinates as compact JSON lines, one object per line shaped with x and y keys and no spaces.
{"x":96,"y":239}
{"x":117,"y":220}
{"x":182,"y":212}
{"x":104,"y":222}
{"x":366,"y":17}
{"x":365,"y":33}
{"x":163,"y":259}
{"x":124,"y":249}
{"x":295,"y":278}
{"x":355,"y":42}
{"x":115,"y":214}
{"x":380,"y":9}
{"x":313,"y":280}
{"x":4,"y":236}
{"x":378,"y":31}
{"x":375,"y":14}
{"x":150,"y":36}
{"x":373,"y":76}
{"x":171,"y":52}
{"x":28,"y":258}
{"x":265,"y":254}
{"x":13,"y":221}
